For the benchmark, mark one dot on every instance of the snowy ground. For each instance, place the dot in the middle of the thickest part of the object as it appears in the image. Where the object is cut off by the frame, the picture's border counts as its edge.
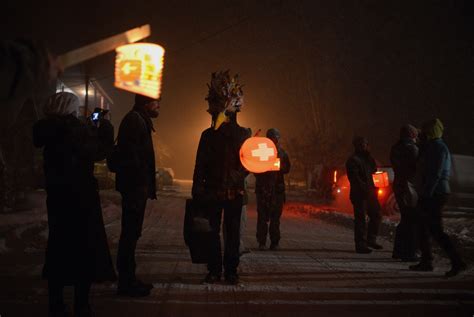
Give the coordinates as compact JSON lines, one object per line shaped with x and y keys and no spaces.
{"x":315,"y":272}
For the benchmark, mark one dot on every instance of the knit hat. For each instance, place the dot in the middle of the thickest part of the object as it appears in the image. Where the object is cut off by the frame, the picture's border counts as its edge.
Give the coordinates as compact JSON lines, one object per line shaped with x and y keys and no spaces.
{"x":408,"y":131}
{"x":433,"y":129}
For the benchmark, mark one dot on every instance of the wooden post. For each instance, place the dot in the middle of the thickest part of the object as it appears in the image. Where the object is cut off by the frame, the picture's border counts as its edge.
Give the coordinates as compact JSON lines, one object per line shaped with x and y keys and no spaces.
{"x":86,"y":97}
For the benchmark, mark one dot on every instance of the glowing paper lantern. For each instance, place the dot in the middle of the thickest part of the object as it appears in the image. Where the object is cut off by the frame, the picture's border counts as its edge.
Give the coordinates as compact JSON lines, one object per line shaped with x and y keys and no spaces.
{"x":259,"y":155}
{"x":380,"y":179}
{"x":139,"y":68}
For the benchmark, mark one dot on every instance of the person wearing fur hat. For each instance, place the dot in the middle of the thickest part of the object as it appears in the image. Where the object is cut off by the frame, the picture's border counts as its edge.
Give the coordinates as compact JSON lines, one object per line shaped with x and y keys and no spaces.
{"x":77,"y":252}
{"x":433,"y":192}
{"x":135,"y":180}
{"x":218,"y":180}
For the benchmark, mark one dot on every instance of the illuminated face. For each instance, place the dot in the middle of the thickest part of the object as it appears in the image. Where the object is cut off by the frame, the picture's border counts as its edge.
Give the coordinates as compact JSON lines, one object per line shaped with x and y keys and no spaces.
{"x":152,"y":108}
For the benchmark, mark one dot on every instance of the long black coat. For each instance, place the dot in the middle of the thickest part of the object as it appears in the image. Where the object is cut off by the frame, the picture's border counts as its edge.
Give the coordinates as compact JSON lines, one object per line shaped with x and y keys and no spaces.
{"x":77,"y":249}
{"x":137,"y":156}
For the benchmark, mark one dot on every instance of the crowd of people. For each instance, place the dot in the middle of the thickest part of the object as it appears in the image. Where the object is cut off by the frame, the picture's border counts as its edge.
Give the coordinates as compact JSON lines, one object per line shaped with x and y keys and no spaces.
{"x":421,"y":164}
{"x":77,"y":252}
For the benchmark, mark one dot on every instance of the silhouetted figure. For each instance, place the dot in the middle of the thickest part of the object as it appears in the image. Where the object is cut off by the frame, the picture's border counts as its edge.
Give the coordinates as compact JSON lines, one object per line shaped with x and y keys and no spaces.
{"x":360,"y":167}
{"x":404,"y":158}
{"x":434,"y":190}
{"x":270,"y":190}
{"x":218,"y":181}
{"x":135,"y":180}
{"x":77,"y":252}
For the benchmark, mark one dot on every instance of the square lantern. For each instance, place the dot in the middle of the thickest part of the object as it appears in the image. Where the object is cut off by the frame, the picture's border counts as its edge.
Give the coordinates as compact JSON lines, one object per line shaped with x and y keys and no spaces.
{"x":139,"y":68}
{"x":380,"y":179}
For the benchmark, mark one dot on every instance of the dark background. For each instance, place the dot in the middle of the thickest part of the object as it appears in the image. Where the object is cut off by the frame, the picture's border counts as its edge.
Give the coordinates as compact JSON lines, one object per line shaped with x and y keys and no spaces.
{"x":367,"y":67}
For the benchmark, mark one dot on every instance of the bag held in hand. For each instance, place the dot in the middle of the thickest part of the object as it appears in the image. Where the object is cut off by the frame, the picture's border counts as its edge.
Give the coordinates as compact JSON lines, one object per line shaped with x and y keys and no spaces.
{"x":197,"y":231}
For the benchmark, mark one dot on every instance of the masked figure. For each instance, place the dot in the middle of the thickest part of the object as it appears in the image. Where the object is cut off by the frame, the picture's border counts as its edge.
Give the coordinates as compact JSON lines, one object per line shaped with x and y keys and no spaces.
{"x":218,"y":181}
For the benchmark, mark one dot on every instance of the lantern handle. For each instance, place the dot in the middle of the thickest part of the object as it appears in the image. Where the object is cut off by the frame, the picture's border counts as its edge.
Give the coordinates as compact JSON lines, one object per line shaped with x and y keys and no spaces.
{"x":257,"y":133}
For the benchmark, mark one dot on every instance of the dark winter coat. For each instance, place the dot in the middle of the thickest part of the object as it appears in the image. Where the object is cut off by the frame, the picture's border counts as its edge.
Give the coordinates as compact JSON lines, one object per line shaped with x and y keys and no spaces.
{"x":435,"y":168}
{"x":135,"y":146}
{"x":360,"y":167}
{"x":273,"y":182}
{"x":218,"y":172}
{"x":404,"y":157}
{"x":77,"y":249}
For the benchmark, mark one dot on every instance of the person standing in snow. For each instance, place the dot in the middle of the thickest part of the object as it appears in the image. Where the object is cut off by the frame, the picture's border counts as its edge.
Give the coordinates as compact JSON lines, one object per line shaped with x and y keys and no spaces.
{"x":77,"y":252}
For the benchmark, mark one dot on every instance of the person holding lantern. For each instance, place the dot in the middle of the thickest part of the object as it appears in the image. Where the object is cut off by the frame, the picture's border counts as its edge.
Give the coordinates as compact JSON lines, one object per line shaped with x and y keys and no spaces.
{"x":270,"y":191}
{"x":218,"y":180}
{"x":135,"y":180}
{"x":363,"y":195}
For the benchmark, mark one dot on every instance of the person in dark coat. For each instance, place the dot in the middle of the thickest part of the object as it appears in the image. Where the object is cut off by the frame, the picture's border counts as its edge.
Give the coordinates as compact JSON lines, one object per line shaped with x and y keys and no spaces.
{"x":404,"y":158}
{"x":270,"y":191}
{"x":434,"y":190}
{"x":218,"y":180}
{"x":363,"y":195}
{"x":77,"y":252}
{"x":135,"y":180}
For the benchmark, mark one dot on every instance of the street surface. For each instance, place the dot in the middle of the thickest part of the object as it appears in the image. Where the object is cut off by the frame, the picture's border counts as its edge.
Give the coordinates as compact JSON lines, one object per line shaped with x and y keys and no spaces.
{"x":316,"y":273}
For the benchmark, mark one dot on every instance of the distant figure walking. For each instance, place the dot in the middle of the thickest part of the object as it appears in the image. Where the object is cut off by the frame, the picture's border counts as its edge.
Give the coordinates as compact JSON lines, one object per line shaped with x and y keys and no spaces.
{"x":404,"y":158}
{"x":360,"y":167}
{"x":77,"y":252}
{"x":270,"y":191}
{"x":434,"y":190}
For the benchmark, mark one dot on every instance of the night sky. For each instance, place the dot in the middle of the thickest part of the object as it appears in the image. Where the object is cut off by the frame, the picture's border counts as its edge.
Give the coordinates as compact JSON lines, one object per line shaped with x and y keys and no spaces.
{"x":370,"y":66}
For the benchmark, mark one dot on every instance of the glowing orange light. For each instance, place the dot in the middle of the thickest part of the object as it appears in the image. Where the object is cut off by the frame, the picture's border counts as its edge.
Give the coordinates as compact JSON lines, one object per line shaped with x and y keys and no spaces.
{"x":380,"y":192}
{"x":259,"y":155}
{"x":139,"y":68}
{"x":380,"y":179}
{"x":335,"y":176}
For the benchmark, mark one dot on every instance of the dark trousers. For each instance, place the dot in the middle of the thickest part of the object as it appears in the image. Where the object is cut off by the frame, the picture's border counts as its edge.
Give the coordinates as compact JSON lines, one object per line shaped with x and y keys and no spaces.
{"x":232,"y":211}
{"x":133,"y":212}
{"x":56,"y":299}
{"x":405,"y":244}
{"x":430,"y":224}
{"x":362,"y":233}
{"x":268,"y":218}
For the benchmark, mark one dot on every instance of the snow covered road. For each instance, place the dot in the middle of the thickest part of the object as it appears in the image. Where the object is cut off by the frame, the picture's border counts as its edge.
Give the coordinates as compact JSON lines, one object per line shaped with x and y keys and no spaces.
{"x":316,"y":272}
